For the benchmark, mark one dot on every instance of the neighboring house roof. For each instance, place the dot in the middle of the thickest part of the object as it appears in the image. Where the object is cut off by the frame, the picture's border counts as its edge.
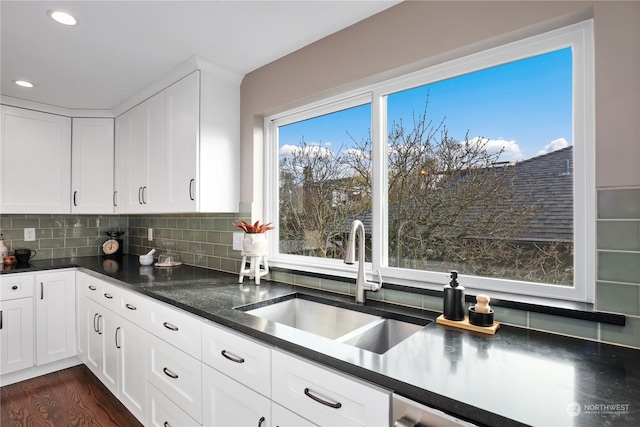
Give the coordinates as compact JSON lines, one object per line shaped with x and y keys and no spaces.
{"x":549,"y":178}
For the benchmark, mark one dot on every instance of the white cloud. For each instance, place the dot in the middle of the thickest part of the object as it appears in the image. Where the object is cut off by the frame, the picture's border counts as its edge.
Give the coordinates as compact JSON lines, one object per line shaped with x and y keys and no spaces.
{"x":310,"y":149}
{"x":554,"y":145}
{"x":510,"y":149}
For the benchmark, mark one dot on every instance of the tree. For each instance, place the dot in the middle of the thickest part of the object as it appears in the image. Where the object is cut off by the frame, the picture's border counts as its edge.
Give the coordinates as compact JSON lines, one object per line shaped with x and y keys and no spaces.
{"x":451,"y":205}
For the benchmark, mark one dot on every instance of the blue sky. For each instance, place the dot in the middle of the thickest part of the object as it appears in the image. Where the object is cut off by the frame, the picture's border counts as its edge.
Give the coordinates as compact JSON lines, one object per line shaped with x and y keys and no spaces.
{"x":524,"y":107}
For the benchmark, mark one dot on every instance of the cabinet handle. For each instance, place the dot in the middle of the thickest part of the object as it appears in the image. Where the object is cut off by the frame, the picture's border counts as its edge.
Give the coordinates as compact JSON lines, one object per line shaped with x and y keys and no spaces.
{"x":117,"y":330}
{"x":99,"y":331}
{"x":260,"y":421}
{"x":166,"y":424}
{"x":91,"y":287}
{"x":14,"y":287}
{"x":169,"y":373}
{"x":232,"y":358}
{"x":0,"y":319}
{"x":41,"y":290}
{"x":139,"y":195}
{"x":336,"y":405}
{"x":170,"y":326}
{"x":75,"y":193}
{"x":131,"y":307}
{"x":95,"y":327}
{"x":108,"y":296}
{"x":115,"y":200}
{"x":144,"y":193}
{"x":191,"y":189}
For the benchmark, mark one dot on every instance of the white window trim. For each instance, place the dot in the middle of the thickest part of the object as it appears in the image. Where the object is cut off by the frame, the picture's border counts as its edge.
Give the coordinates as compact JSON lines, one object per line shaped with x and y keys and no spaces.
{"x":580,"y":38}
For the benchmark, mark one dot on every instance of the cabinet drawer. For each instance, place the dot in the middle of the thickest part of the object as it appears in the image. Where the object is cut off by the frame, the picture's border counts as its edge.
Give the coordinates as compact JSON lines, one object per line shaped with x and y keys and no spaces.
{"x":230,"y":404}
{"x":101,"y":292}
{"x":177,"y":375}
{"x":243,"y":359}
{"x":326,"y":397}
{"x":164,"y":413}
{"x":14,"y":286}
{"x":134,"y":308}
{"x":177,"y":328}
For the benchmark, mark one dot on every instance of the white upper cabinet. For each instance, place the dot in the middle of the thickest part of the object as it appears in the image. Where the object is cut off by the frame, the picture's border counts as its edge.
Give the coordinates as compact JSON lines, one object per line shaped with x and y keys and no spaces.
{"x":182,"y":149}
{"x":140,"y":157}
{"x":92,"y":166}
{"x":35,"y":162}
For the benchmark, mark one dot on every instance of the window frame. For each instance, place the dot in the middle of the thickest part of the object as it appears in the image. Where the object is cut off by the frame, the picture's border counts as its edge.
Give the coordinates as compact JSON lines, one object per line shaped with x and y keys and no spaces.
{"x":577,"y":36}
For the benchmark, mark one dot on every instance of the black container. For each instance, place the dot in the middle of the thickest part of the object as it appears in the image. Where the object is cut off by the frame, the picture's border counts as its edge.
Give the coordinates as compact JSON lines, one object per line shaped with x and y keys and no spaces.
{"x":480,"y":319}
{"x":454,"y":299}
{"x":24,"y":255}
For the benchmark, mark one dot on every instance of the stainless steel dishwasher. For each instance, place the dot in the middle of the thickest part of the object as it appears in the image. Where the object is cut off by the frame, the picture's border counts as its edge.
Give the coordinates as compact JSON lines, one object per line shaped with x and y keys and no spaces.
{"x":407,"y":413}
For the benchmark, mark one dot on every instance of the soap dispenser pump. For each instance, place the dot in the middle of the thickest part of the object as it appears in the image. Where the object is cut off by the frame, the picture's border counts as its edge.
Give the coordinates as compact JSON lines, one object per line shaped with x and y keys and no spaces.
{"x":454,"y":299}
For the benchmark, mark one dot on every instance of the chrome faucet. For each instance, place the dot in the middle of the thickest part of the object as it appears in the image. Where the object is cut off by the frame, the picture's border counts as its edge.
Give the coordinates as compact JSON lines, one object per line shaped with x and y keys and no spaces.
{"x":357,"y":231}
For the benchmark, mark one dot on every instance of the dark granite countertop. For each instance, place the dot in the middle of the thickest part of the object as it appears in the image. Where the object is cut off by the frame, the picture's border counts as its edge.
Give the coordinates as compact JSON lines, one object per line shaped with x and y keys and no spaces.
{"x":516,"y":377}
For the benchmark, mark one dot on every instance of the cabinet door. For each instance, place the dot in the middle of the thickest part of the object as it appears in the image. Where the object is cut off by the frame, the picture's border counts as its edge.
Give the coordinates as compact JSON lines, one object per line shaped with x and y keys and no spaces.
{"x":92,"y":166}
{"x":183,"y":134}
{"x":146,"y":155}
{"x":120,"y":196}
{"x":91,"y":320}
{"x":229,"y":403}
{"x":285,"y":418}
{"x":108,"y":324}
{"x":16,"y":335}
{"x":55,"y":303}
{"x":131,"y":342}
{"x":35,"y":162}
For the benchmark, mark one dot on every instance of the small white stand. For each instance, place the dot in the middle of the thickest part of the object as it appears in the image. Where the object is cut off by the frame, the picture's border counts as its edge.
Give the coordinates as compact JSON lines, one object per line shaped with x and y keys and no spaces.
{"x":254,"y":269}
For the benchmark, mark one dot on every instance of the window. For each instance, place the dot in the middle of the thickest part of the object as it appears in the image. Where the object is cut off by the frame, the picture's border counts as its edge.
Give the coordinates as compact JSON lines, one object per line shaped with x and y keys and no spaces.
{"x":482,"y":165}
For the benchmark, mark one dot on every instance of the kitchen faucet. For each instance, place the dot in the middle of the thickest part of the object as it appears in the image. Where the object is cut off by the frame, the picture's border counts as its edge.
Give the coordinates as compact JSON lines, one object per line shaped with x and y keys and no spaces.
{"x":357,"y":232}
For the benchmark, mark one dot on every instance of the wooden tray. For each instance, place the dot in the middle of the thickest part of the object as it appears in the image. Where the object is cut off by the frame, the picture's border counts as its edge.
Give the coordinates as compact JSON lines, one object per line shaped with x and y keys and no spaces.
{"x":464,"y":324}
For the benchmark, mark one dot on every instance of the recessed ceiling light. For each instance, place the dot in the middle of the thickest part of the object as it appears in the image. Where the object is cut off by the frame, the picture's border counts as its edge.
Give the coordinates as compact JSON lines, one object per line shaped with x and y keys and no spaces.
{"x":23,"y":83}
{"x":62,"y":17}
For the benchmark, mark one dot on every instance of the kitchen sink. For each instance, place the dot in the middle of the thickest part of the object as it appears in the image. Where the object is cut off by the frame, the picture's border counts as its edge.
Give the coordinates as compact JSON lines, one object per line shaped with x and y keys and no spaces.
{"x":370,"y":329}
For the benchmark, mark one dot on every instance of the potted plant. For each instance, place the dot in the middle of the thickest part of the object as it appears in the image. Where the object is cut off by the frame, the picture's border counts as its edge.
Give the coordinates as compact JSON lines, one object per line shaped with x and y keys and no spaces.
{"x":255,"y":241}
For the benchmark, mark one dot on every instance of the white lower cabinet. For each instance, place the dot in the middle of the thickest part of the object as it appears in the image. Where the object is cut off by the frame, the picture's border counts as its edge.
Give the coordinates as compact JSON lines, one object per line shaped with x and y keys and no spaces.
{"x":164,"y":413}
{"x":228,"y":403}
{"x":325,"y":397}
{"x":285,"y":418}
{"x":113,"y":348}
{"x":55,"y":305}
{"x":177,"y":375}
{"x":16,"y":335}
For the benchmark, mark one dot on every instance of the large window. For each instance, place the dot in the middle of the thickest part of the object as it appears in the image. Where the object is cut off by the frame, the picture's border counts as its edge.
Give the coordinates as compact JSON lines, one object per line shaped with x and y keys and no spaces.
{"x":482,"y":165}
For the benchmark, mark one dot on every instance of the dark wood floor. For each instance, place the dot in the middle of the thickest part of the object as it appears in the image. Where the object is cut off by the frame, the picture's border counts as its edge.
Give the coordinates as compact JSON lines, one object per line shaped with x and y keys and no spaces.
{"x":71,"y":397}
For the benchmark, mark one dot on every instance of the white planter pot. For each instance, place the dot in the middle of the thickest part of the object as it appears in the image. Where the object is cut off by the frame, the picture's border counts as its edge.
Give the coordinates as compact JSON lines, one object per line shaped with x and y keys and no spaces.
{"x":254,"y":244}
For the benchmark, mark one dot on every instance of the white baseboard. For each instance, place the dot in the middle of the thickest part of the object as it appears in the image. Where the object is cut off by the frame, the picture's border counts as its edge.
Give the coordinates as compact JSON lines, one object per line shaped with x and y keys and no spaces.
{"x":36,"y":371}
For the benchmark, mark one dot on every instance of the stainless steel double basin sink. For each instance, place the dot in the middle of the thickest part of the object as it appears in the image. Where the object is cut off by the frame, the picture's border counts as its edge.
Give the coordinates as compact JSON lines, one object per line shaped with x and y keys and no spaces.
{"x":368,"y":329}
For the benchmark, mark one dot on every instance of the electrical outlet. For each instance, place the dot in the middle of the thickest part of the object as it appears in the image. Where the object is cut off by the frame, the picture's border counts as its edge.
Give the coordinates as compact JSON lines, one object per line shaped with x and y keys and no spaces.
{"x":150,"y":234}
{"x":237,"y":241}
{"x":29,"y":234}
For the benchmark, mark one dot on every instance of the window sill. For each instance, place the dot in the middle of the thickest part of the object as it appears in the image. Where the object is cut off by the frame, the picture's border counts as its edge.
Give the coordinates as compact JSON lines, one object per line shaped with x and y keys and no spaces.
{"x":555,"y":307}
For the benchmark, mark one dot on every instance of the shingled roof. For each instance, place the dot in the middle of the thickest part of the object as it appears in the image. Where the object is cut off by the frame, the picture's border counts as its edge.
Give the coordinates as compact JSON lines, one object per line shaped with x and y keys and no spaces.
{"x":547,"y":180}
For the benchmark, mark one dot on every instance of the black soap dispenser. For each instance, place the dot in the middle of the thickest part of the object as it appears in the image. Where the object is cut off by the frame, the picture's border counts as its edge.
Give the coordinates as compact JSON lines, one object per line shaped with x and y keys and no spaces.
{"x":454,"y":299}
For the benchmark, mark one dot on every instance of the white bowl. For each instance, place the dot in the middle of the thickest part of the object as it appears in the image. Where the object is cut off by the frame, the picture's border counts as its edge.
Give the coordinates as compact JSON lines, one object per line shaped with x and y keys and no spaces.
{"x":146,"y":259}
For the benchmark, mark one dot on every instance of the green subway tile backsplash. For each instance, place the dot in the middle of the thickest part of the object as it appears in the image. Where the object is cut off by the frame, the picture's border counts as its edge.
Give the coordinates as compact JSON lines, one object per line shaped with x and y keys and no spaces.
{"x":619,"y":266}
{"x":619,"y":235}
{"x":206,"y":240}
{"x":619,"y":203}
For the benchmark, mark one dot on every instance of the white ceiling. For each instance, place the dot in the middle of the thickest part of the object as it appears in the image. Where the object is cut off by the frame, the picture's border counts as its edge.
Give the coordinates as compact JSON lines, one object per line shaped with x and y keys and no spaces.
{"x":119,"y":47}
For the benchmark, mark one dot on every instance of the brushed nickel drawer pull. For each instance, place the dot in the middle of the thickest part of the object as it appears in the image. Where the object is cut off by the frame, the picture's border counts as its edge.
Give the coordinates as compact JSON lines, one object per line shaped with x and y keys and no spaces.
{"x":92,"y":288}
{"x":99,"y":331}
{"x":260,"y":421}
{"x":336,"y":405}
{"x":232,"y":358}
{"x":14,"y":287}
{"x":170,"y":326}
{"x":108,"y":296}
{"x":131,"y":307}
{"x":95,"y":327}
{"x":117,"y":330}
{"x":169,"y":373}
